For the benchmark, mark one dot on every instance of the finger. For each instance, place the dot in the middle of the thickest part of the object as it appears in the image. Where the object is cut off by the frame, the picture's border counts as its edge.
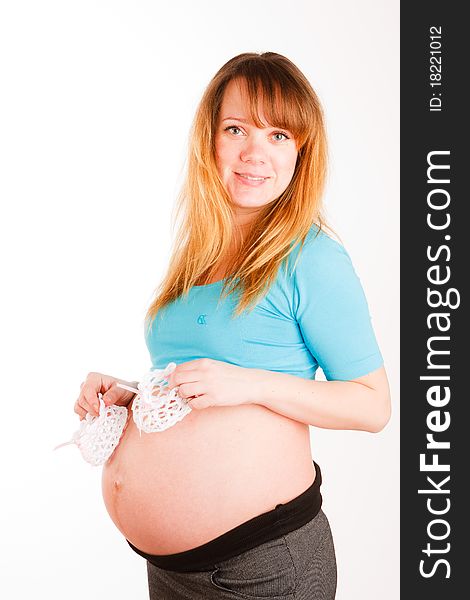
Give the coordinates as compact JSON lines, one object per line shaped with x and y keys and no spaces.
{"x":119,"y":396}
{"x":199,"y":402}
{"x":81,"y":406}
{"x":80,"y":411}
{"x":188,"y":390}
{"x":195,"y":364}
{"x":191,"y":371}
{"x":87,"y":409}
{"x":183,"y":378}
{"x":113,"y":395}
{"x":89,"y":400}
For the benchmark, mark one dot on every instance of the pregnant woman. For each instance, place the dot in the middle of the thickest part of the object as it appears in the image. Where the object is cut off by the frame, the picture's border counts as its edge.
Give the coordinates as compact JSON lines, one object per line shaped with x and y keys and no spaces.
{"x":226,"y":503}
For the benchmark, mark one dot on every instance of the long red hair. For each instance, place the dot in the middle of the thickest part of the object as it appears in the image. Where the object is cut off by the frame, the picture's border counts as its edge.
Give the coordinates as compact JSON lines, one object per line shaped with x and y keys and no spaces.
{"x":204,"y":208}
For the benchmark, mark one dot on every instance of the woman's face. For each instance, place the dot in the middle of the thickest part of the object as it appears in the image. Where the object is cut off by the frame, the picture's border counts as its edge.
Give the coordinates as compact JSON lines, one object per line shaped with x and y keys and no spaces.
{"x":243,"y":150}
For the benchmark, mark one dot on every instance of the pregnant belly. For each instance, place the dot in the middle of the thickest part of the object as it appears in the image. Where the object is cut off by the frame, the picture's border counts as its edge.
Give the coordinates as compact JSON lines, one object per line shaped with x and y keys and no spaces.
{"x":177,"y":489}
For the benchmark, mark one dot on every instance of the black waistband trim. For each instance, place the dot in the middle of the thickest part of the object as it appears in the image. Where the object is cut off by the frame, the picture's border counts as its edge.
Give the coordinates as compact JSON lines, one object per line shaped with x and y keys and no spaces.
{"x":260,"y":529}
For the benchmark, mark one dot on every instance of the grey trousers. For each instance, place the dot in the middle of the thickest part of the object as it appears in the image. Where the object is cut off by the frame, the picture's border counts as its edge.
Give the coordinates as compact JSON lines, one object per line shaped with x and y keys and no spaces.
{"x":300,"y":565}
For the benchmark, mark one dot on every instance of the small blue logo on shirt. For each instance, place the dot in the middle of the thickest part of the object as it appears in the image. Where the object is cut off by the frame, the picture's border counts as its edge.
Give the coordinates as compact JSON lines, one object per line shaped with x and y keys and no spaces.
{"x":202,"y":319}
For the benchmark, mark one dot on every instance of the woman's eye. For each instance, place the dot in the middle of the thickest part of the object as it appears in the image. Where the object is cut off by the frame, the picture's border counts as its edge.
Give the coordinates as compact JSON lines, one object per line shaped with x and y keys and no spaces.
{"x":281,"y":133}
{"x":232,"y":127}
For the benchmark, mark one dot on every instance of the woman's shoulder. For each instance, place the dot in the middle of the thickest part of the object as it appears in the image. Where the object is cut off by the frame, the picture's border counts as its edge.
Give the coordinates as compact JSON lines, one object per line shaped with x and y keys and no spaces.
{"x":325,"y":278}
{"x":320,"y":253}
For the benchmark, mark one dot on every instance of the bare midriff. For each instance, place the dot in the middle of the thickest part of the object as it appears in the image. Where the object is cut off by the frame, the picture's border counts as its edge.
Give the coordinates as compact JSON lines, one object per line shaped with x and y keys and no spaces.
{"x":173,"y":490}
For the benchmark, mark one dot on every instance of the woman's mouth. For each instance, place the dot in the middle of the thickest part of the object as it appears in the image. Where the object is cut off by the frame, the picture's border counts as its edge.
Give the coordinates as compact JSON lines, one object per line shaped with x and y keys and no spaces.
{"x":251,"y":180}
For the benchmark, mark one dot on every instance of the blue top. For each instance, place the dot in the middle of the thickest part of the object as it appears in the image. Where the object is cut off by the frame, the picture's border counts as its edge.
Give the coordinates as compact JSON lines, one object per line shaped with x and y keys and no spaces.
{"x":316,"y":315}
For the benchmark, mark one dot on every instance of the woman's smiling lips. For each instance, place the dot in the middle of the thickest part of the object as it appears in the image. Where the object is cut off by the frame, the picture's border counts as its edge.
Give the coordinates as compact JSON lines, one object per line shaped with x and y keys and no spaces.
{"x":251,"y":180}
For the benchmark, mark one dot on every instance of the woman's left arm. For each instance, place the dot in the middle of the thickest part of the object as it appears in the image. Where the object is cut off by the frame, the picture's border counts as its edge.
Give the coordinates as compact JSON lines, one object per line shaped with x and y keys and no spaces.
{"x":361,"y":404}
{"x":331,"y":312}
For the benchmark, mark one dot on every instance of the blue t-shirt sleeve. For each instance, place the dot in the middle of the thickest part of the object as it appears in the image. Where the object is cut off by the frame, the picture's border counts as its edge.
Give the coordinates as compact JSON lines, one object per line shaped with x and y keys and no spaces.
{"x":332,"y":311}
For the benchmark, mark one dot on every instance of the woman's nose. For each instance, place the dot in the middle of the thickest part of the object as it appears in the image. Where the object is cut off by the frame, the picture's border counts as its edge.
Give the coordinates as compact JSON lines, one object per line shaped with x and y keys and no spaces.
{"x":253,"y":151}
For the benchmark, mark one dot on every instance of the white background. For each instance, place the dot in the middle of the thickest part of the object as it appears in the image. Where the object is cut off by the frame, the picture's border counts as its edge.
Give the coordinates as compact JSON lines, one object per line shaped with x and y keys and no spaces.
{"x":96,"y":104}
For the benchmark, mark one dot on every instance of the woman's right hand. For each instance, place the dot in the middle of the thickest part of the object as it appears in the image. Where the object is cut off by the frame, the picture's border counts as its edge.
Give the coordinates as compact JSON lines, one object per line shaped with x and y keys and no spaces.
{"x":88,"y":401}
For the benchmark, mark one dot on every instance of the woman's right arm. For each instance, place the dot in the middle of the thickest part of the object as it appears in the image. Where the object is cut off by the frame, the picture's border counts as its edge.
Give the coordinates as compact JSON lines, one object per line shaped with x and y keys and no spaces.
{"x":88,"y":401}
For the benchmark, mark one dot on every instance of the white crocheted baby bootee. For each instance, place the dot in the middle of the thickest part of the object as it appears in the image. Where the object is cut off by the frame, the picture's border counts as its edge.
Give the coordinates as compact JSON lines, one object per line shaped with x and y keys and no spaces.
{"x":98,"y":437}
{"x":155,"y":408}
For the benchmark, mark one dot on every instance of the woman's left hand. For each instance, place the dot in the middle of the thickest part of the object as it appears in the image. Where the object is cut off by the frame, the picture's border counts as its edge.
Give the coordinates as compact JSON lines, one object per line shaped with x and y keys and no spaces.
{"x":206,"y":382}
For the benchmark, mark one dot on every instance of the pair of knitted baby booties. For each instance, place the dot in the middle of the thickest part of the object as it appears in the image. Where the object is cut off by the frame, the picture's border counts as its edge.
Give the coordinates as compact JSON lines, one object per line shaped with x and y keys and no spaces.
{"x":154,"y":408}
